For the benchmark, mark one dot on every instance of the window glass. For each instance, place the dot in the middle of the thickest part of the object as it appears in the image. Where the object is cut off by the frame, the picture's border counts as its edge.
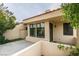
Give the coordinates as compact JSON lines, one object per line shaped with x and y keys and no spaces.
{"x":37,"y":30}
{"x":67,"y":29}
{"x":32,"y":30}
{"x":38,"y":25}
{"x":31,"y":25}
{"x":40,"y":31}
{"x":34,"y":25}
{"x":42,"y":24}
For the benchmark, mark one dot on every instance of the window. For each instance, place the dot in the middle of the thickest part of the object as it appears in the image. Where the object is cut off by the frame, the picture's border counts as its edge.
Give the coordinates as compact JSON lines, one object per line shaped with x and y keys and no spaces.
{"x":67,"y":29}
{"x":32,"y":30}
{"x":40,"y":30}
{"x":37,"y":30}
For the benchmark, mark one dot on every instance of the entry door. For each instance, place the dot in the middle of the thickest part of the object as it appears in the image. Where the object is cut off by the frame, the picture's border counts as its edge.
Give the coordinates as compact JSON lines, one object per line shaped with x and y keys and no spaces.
{"x":51,"y":32}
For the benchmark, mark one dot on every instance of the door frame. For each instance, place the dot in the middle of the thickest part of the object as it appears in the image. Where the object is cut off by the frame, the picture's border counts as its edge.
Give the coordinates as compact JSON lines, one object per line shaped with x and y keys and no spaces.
{"x":51,"y":32}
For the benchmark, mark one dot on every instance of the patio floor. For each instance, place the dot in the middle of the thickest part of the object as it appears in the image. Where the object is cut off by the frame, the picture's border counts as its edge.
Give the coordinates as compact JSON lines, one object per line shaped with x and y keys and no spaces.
{"x":13,"y":47}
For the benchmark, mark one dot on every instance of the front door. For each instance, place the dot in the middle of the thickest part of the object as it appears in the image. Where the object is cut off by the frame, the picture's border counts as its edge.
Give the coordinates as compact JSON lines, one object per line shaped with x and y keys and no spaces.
{"x":51,"y":32}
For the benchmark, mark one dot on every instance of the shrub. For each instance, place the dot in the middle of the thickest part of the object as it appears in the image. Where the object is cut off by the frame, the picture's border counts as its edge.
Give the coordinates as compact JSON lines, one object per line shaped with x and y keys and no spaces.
{"x":2,"y":39}
{"x":74,"y":51}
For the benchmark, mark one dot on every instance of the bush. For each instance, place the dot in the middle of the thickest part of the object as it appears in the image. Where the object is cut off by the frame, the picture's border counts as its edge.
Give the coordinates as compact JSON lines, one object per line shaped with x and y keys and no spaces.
{"x":2,"y":39}
{"x":74,"y":52}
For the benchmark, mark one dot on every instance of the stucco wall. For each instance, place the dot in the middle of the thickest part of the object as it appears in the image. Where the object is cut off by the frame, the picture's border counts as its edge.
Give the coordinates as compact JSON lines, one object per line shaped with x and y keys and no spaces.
{"x":57,"y":34}
{"x":33,"y":50}
{"x":60,"y":37}
{"x":43,"y":48}
{"x":51,"y":49}
{"x":18,"y":32}
{"x":77,"y":41}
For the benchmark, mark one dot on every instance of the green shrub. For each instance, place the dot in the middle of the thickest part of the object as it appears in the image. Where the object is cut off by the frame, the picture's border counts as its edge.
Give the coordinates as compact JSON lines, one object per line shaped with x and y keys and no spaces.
{"x":2,"y":39}
{"x":61,"y":46}
{"x":74,"y":52}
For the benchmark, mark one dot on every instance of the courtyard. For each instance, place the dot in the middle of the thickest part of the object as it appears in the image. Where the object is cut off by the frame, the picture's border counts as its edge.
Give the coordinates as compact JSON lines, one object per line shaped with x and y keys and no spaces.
{"x":13,"y":47}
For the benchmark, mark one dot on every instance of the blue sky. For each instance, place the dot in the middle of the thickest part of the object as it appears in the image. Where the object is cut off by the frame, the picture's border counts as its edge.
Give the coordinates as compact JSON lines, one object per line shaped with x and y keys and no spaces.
{"x":26,"y":10}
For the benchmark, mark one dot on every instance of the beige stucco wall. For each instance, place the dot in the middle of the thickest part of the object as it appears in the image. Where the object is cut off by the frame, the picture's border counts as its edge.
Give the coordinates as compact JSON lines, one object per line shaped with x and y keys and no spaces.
{"x":77,"y":41}
{"x":58,"y":34}
{"x":18,"y":32}
{"x":51,"y":49}
{"x":33,"y":50}
{"x":43,"y":48}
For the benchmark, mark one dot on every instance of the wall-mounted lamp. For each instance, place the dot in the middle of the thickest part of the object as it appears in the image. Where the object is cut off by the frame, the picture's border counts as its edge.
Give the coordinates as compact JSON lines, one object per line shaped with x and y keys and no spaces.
{"x":55,"y":26}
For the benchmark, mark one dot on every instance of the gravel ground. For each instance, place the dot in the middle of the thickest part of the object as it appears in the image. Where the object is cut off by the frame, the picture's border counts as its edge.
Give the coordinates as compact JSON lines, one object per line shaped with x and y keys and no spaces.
{"x":13,"y":47}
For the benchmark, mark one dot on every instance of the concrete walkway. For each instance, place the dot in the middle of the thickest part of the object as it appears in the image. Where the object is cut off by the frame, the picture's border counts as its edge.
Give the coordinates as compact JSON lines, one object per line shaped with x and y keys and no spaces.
{"x":13,"y":47}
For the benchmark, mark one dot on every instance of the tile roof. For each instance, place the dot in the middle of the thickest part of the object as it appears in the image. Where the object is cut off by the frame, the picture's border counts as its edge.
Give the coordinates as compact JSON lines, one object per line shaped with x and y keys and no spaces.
{"x":43,"y":13}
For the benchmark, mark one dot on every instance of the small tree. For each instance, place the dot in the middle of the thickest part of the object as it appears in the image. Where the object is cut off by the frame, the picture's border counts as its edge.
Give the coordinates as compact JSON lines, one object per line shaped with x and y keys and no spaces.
{"x":7,"y":21}
{"x":71,"y":13}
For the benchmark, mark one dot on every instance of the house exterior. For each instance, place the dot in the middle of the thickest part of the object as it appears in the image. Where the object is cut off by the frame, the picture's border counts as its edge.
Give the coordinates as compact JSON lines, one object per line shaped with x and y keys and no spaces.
{"x":49,"y":26}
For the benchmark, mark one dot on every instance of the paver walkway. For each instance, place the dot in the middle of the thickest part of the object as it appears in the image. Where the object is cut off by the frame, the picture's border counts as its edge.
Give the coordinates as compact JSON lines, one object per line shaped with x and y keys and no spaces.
{"x":13,"y":47}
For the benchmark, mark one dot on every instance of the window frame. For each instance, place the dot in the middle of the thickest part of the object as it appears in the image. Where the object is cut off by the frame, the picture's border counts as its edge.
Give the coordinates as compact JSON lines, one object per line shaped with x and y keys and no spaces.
{"x":67,"y":30}
{"x":38,"y":27}
{"x":31,"y":30}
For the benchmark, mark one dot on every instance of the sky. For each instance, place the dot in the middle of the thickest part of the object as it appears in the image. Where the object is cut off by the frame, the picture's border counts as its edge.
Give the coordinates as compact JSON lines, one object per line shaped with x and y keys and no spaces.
{"x":25,"y":10}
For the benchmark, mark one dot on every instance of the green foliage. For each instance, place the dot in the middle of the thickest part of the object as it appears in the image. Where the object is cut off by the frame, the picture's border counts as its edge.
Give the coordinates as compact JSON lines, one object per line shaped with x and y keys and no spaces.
{"x":2,"y":39}
{"x":71,"y":13}
{"x":61,"y":46}
{"x":7,"y":20}
{"x":73,"y":51}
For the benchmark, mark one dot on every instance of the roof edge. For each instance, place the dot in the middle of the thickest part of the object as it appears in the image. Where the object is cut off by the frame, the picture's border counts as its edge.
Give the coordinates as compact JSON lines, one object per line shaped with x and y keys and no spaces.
{"x":42,"y":14}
